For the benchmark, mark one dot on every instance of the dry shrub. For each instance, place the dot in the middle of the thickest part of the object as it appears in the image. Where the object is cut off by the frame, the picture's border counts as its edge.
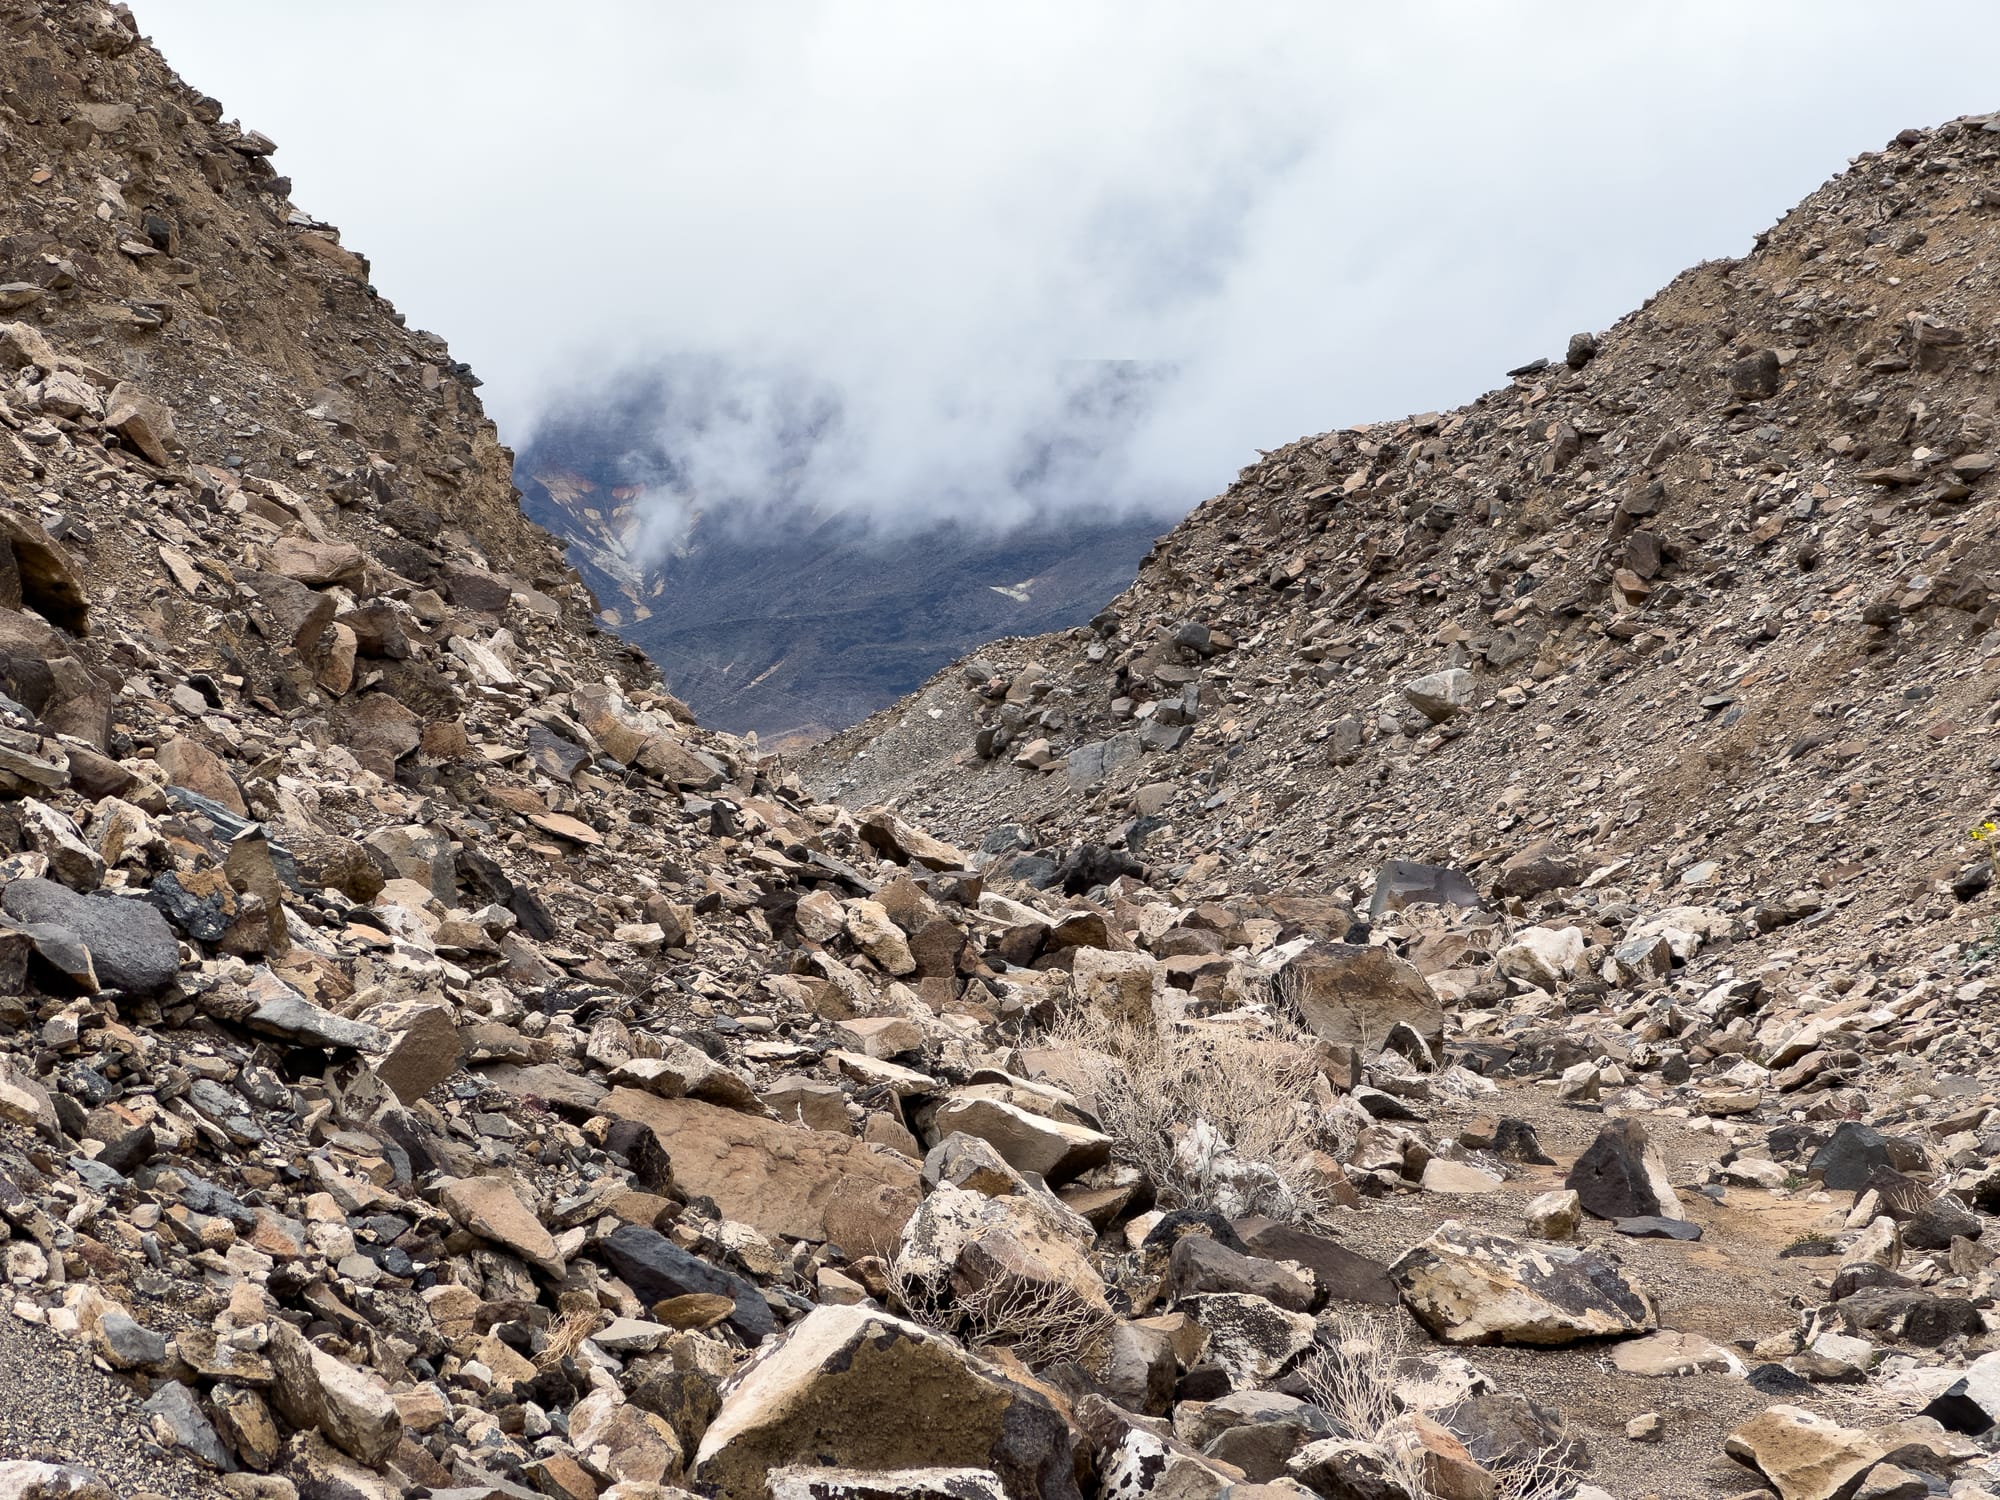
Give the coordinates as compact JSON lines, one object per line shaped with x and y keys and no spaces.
{"x":1042,"y":1325}
{"x":1165,"y":1093}
{"x":1351,"y":1376}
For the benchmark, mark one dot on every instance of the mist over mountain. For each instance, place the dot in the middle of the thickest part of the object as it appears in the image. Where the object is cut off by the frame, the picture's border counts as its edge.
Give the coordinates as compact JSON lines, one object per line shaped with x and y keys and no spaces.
{"x":739,"y":529}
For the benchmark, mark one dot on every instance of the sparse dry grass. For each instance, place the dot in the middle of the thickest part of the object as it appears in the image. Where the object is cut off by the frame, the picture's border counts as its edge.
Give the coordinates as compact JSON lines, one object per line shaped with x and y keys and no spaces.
{"x":1166,"y":1093}
{"x":1352,"y":1376}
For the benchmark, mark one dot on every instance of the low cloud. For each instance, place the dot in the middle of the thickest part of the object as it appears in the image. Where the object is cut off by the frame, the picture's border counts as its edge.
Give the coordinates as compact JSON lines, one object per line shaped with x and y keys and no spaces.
{"x":913,"y":259}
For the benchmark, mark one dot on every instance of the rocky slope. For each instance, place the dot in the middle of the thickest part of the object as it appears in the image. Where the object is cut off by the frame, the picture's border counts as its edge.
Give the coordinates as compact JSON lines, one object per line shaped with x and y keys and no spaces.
{"x":431,"y":1064}
{"x":1680,"y":650}
{"x":794,"y":624}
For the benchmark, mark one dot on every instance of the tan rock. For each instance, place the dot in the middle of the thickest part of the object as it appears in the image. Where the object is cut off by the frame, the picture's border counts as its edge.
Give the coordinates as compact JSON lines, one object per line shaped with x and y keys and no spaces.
{"x":1804,"y":1456}
{"x":821,"y":1391}
{"x":194,"y":766}
{"x":778,"y":1178}
{"x":492,"y":1209}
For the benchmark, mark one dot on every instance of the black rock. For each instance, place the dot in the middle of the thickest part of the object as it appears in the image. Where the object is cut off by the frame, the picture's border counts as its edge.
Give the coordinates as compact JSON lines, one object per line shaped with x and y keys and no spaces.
{"x":1611,"y":1177}
{"x":656,"y":1268}
{"x":130,"y":1151}
{"x":1515,"y":1140}
{"x":202,"y":918}
{"x":1345,"y":1275}
{"x":1203,"y":1383}
{"x":1935,"y":1225}
{"x":1655,"y":1227}
{"x":1959,"y":1411}
{"x":1181,"y":1222}
{"x":130,"y":944}
{"x":1809,"y":1250}
{"x":1854,"y":1152}
{"x":1862,"y":1277}
{"x":1776,"y":1380}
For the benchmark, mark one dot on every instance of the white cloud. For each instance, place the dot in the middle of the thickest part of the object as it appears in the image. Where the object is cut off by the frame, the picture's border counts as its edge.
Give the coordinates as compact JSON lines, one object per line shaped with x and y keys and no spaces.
{"x":1315,"y":214}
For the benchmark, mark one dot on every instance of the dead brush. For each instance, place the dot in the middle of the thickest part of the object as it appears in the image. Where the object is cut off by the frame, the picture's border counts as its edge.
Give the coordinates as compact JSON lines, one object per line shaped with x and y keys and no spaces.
{"x":1152,"y":1083}
{"x":566,"y":1335}
{"x":1351,"y":1375}
{"x":1041,"y":1328}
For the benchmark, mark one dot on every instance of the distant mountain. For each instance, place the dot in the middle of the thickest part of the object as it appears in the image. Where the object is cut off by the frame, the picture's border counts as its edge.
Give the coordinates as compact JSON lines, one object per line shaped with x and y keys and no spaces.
{"x":805,"y":622}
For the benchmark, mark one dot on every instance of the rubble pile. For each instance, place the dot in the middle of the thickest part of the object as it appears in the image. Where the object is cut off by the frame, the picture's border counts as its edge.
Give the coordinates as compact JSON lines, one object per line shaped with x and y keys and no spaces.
{"x":430,"y":1064}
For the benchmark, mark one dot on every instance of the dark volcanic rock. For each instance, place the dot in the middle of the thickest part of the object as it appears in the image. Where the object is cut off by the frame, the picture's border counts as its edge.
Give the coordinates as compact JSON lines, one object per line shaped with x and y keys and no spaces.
{"x":656,"y":1268}
{"x":130,"y":944}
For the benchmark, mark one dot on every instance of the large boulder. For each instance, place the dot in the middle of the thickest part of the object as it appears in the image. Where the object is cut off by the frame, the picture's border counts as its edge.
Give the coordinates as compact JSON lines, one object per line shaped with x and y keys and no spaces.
{"x":1015,"y":1264}
{"x":779,"y":1178}
{"x":131,"y":946}
{"x":1620,"y":1176}
{"x":1466,"y":1287}
{"x":1354,"y":995}
{"x":1443,"y":695}
{"x":491,"y":1208}
{"x":313,"y":1390}
{"x":1804,"y":1456}
{"x":851,"y":1387}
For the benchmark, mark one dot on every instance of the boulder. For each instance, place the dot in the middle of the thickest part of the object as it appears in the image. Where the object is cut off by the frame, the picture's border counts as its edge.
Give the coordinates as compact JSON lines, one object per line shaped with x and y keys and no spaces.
{"x":1671,"y":1353}
{"x":854,"y":1388}
{"x":34,"y":1479}
{"x":1803,"y":1455}
{"x":491,"y":1208}
{"x":1621,"y":1177}
{"x":187,"y":764}
{"x":347,"y":1402}
{"x":1443,"y":695}
{"x":778,"y":1178}
{"x":1253,"y":1340}
{"x":1057,"y":1150}
{"x":144,"y":423}
{"x":1200,"y":1264}
{"x":1466,"y":1287}
{"x":1343,"y":1275}
{"x":1353,"y":995}
{"x":130,"y":944}
{"x":683,"y":1070}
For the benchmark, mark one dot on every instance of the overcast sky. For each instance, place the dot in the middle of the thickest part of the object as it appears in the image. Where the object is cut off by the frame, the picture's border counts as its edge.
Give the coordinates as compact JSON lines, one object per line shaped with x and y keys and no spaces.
{"x":920,"y":215}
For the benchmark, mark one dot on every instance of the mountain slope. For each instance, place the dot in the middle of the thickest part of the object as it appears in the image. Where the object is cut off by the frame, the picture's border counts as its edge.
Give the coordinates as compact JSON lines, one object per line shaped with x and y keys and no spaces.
{"x":791,"y":623}
{"x":1723,"y":586}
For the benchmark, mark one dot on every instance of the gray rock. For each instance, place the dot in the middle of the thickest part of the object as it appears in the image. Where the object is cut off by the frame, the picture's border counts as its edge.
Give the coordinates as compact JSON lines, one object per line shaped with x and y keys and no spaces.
{"x":656,"y":1268}
{"x":174,"y":1409}
{"x":127,"y":1344}
{"x":131,"y":947}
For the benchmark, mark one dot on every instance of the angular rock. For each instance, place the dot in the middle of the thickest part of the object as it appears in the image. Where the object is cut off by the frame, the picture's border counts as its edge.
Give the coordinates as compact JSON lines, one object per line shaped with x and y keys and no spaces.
{"x":492,"y":1209}
{"x":781,"y":1179}
{"x":818,"y":1396}
{"x":131,"y":947}
{"x":1466,"y":1287}
{"x":1803,"y":1455}
{"x":1354,"y":996}
{"x":1620,"y":1177}
{"x":1056,"y":1150}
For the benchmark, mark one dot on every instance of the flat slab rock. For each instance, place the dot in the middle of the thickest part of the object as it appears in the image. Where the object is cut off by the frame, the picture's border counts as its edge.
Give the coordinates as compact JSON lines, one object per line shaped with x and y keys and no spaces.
{"x":779,"y":1178}
{"x":1466,"y":1287}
